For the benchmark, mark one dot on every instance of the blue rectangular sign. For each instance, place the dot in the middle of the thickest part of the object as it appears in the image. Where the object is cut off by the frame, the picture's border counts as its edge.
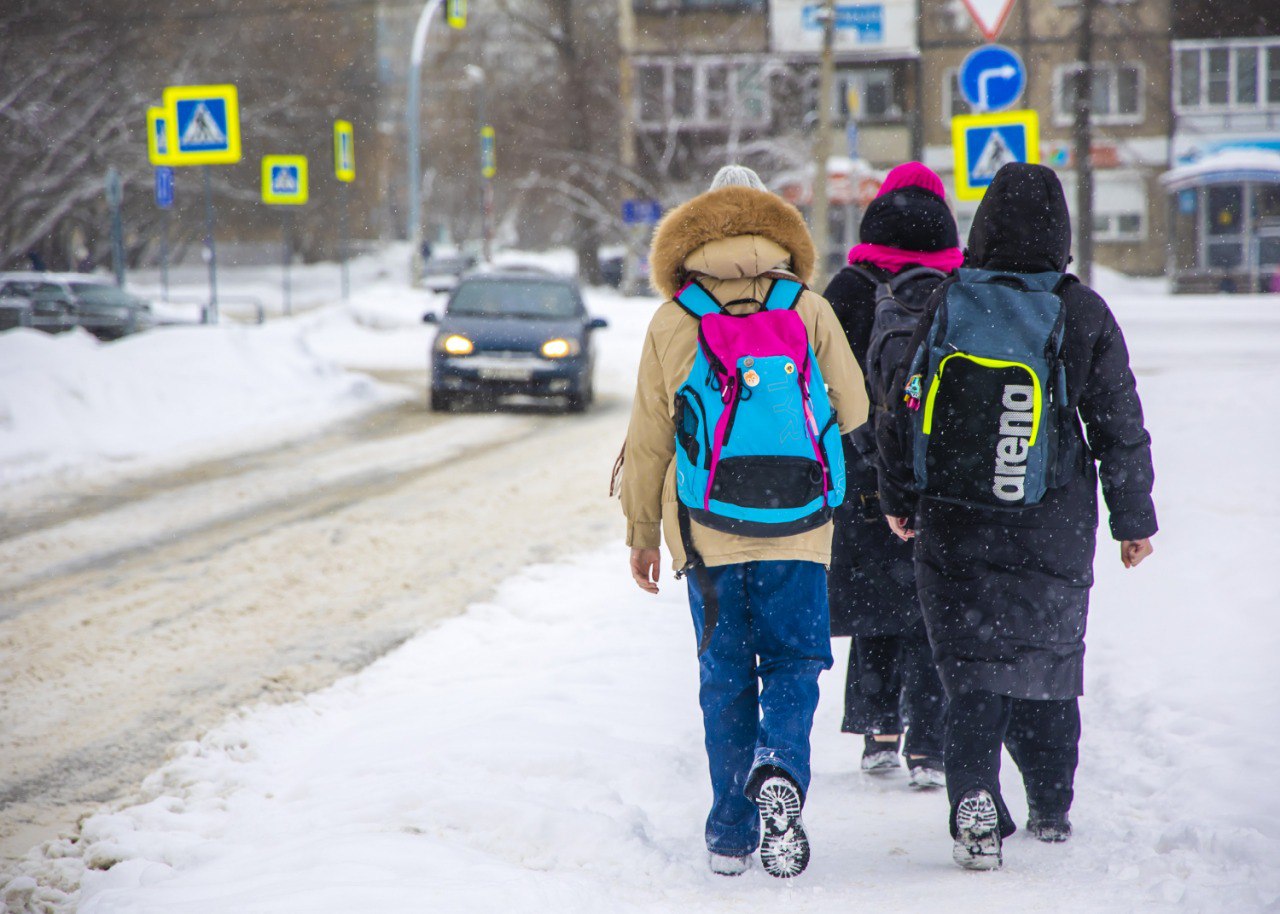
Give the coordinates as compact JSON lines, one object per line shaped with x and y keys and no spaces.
{"x":867,"y":20}
{"x":640,"y":212}
{"x":164,"y":186}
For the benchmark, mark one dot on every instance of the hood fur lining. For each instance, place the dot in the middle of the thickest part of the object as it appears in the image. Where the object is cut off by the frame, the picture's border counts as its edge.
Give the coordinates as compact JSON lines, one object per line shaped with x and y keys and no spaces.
{"x":726,"y":213}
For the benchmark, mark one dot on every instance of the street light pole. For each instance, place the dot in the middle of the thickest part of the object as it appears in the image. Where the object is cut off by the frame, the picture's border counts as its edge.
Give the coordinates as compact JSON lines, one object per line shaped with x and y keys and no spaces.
{"x":413,"y":116}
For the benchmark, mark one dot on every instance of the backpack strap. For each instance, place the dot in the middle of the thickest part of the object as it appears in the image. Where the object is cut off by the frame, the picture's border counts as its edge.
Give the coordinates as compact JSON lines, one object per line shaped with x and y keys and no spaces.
{"x":697,"y":300}
{"x":783,"y":295}
{"x":914,"y":273}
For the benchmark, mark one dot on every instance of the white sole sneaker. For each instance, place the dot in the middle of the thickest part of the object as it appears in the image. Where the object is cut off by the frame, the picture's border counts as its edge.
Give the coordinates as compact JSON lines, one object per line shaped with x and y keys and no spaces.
{"x":927,"y":778}
{"x":978,"y":844}
{"x":784,"y":849}
{"x":725,"y":865}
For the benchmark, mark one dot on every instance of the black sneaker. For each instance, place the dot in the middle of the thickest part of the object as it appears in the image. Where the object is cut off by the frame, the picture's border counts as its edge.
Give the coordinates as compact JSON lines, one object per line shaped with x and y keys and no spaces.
{"x":879,"y":756}
{"x":1051,"y":828}
{"x":784,"y":848}
{"x":978,"y":841}
{"x":927,"y":773}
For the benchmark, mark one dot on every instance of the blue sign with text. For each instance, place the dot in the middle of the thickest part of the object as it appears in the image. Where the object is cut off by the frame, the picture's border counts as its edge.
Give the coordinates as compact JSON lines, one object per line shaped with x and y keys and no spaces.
{"x":640,"y":212}
{"x":866,"y":19}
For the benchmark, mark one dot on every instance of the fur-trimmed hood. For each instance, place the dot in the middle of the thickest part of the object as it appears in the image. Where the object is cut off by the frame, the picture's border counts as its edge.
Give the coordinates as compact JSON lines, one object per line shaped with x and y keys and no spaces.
{"x":730,"y":212}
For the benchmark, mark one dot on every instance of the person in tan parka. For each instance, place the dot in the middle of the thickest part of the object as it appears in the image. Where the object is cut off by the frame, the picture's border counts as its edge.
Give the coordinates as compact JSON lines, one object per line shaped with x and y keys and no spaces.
{"x":760,"y":668}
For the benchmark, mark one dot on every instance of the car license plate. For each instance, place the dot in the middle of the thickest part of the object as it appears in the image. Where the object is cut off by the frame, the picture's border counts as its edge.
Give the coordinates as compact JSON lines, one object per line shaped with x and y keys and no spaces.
{"x":505,"y":374}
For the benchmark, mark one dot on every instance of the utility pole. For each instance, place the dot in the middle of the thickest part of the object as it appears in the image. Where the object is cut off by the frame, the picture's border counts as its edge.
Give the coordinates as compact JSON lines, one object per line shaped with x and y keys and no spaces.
{"x":1083,"y":139}
{"x":822,"y":143}
{"x":627,"y":152}
{"x":413,"y":118}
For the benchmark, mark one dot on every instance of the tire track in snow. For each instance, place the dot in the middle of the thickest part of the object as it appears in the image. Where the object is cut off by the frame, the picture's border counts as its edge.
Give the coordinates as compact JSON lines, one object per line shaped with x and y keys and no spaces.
{"x":142,"y":625}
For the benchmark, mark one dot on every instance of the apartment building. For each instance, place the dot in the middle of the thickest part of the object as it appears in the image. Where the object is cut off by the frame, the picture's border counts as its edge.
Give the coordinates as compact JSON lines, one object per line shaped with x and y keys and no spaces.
{"x":1131,"y":119}
{"x":1224,"y":185}
{"x":721,"y":80}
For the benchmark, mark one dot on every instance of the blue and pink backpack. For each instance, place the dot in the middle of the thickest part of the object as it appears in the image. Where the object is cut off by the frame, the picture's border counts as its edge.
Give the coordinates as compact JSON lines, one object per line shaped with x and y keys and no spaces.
{"x":758,"y":449}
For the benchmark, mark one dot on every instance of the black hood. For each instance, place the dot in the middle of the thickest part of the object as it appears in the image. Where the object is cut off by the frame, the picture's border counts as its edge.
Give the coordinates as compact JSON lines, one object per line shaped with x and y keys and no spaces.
{"x":1022,"y":224}
{"x":911,"y":219}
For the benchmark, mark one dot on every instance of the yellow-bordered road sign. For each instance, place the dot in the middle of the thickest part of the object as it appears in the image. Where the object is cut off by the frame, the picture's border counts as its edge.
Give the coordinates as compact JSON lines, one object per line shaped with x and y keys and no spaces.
{"x":344,"y":151}
{"x":203,"y":124}
{"x":157,"y":138}
{"x":455,"y":13}
{"x":984,"y":142}
{"x":284,"y":180}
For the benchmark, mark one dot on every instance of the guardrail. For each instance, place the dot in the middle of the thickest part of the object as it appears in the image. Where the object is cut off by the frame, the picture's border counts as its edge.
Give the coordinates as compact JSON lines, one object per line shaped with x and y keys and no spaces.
{"x":252,"y":301}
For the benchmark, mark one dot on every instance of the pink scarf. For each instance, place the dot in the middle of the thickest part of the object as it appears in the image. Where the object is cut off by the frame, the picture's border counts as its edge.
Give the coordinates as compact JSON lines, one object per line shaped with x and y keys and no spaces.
{"x":895,"y":260}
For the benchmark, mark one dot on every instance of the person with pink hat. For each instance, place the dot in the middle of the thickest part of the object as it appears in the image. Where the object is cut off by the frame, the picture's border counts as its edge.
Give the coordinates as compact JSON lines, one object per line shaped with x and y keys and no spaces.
{"x":891,"y":684}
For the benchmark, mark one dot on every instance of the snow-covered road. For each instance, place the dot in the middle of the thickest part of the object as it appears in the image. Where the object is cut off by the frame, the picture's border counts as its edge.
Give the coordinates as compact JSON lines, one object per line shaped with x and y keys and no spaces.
{"x":542,"y":752}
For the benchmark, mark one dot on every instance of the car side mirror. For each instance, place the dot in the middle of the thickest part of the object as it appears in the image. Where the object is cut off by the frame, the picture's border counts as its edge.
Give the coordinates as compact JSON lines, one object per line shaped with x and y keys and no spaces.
{"x":431,"y":318}
{"x":597,"y":323}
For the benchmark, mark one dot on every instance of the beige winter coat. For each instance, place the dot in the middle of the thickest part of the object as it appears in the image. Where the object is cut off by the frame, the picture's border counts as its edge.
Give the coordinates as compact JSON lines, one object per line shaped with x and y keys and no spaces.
{"x":727,"y":239}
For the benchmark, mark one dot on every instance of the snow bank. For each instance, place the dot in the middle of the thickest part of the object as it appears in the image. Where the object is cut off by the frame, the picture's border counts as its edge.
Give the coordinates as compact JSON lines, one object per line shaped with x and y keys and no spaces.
{"x":72,"y":402}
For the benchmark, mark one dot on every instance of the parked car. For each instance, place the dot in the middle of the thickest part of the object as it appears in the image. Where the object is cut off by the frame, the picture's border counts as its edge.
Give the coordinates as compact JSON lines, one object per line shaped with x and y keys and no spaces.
{"x":38,"y":305}
{"x":442,"y":271}
{"x":59,"y":301}
{"x":514,"y":332}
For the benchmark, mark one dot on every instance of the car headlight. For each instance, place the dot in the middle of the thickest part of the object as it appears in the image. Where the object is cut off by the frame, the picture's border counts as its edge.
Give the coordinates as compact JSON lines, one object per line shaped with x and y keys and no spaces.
{"x":457,"y":344}
{"x":559,"y":348}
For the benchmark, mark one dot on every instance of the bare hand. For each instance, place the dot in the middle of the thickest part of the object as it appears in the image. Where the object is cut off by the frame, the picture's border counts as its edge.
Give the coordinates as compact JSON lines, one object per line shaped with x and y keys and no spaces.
{"x":1132,"y":552}
{"x":900,"y":528}
{"x":644,"y":568}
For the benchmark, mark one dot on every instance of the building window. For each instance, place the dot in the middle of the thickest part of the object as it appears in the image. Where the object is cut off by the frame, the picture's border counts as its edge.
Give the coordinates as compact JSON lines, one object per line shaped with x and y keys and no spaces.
{"x":1119,"y":227}
{"x":866,"y":95}
{"x":1117,"y":93}
{"x":705,"y":93}
{"x":1229,"y":75}
{"x":953,"y":101}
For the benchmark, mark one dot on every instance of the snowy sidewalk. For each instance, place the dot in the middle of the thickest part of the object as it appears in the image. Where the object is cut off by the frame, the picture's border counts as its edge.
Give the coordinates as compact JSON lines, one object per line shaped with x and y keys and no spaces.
{"x":543,"y":752}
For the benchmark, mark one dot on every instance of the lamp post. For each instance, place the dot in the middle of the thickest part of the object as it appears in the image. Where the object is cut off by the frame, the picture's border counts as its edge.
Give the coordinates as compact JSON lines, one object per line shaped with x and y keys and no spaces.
{"x":476,"y":76}
{"x":413,"y":116}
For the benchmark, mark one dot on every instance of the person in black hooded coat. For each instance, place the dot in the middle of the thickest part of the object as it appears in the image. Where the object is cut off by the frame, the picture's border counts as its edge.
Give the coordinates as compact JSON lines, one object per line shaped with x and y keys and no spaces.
{"x":1005,"y":594}
{"x":890,"y":683}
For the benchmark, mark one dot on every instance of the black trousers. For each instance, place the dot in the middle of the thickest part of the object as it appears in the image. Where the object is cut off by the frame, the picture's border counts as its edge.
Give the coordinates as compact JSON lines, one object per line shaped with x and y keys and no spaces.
{"x":891,"y":686}
{"x":1042,"y":737}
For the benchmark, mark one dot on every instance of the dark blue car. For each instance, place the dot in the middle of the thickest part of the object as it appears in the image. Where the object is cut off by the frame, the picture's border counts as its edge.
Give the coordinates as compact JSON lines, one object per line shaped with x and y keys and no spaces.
{"x":514,"y":333}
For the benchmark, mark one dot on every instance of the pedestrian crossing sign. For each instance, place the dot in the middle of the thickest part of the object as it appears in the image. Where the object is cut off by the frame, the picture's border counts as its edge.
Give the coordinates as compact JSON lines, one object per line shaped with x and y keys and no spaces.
{"x":984,"y":142}
{"x":344,"y":151}
{"x":202,"y":125}
{"x":284,"y":180}
{"x":157,"y":137}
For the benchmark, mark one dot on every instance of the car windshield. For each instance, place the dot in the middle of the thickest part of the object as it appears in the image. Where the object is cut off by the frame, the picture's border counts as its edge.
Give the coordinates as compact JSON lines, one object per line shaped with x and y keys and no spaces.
{"x":515,"y":298}
{"x":35,"y":291}
{"x":93,"y":293}
{"x":448,"y":266}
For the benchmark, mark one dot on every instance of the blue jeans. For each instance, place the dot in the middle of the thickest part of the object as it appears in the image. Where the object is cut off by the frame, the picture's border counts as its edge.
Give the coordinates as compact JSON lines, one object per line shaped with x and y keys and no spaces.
{"x":759,"y":712}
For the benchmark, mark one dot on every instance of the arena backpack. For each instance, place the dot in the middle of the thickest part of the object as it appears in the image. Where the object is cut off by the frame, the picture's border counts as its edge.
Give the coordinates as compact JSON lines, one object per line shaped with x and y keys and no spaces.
{"x":758,"y":449}
{"x":987,"y":390}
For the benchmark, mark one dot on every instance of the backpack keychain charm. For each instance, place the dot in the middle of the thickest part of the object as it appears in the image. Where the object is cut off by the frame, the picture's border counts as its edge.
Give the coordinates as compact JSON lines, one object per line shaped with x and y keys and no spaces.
{"x":913,"y":391}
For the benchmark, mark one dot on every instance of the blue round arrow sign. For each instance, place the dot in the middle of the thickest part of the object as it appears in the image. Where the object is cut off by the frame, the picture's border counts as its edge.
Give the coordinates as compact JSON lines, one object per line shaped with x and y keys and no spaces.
{"x":992,"y":78}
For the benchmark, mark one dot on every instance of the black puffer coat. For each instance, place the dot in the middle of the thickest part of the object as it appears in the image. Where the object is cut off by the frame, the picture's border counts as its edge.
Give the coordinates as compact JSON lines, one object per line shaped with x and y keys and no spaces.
{"x":1006,"y":594}
{"x":871,"y":585}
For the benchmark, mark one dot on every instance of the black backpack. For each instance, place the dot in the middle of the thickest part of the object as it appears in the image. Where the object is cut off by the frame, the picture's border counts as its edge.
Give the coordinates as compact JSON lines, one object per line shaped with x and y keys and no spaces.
{"x":900,"y":303}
